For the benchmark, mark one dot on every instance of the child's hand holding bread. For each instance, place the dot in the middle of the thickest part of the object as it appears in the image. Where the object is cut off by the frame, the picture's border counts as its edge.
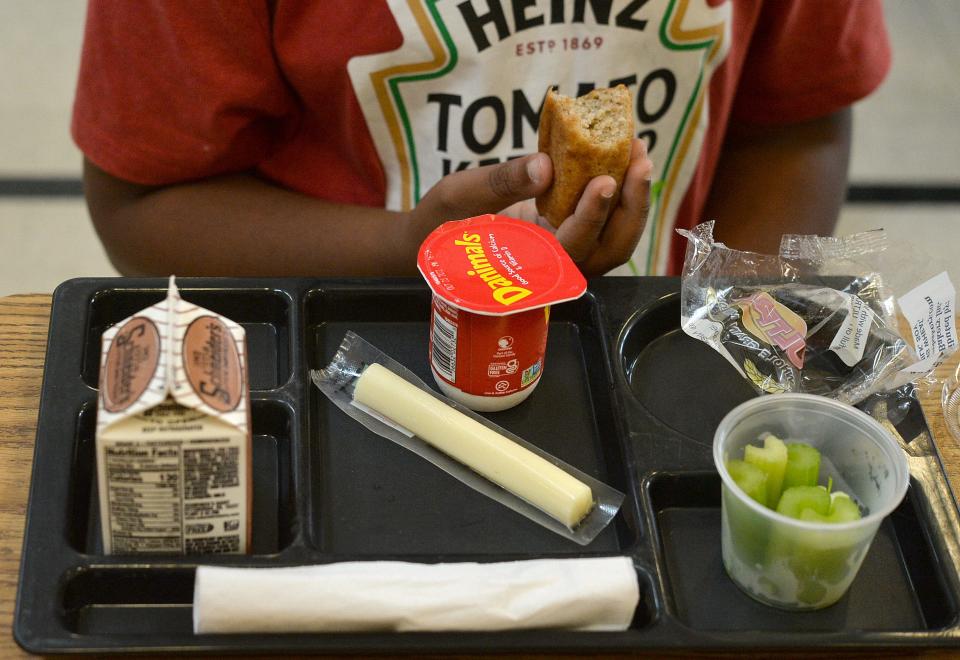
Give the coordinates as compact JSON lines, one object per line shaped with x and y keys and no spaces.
{"x":594,"y":188}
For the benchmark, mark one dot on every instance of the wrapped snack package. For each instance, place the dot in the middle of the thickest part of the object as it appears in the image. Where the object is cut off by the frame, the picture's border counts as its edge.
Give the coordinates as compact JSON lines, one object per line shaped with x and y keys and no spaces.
{"x":821,"y":317}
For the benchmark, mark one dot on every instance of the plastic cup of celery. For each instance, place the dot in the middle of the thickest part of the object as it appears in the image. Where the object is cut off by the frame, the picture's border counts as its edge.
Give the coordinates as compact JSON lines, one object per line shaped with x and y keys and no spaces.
{"x":793,"y":564}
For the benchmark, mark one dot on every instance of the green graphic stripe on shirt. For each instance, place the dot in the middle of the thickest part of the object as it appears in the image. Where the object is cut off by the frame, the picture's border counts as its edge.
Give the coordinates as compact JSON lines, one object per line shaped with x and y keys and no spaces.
{"x":672,"y":23}
{"x":394,"y":84}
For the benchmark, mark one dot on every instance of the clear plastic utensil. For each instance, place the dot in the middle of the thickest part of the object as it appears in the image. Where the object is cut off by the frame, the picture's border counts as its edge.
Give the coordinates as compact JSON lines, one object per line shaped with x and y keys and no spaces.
{"x":951,"y":403}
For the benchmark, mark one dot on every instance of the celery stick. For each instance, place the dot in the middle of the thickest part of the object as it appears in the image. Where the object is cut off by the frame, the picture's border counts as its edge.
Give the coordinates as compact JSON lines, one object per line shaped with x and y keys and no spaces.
{"x":803,"y":465}
{"x":828,"y":559}
{"x":751,"y":479}
{"x":748,"y":531}
{"x":810,"y":590}
{"x":772,"y":459}
{"x":797,"y":500}
{"x":842,"y":509}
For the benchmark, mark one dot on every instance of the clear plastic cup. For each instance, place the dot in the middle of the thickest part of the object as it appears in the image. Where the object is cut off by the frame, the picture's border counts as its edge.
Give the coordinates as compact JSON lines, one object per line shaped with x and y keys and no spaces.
{"x":794,"y":564}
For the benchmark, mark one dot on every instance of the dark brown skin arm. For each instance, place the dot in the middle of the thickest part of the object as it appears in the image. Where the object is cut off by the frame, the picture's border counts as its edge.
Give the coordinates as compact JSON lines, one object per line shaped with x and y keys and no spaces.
{"x":236,"y":225}
{"x":781,"y":179}
{"x":241,"y":225}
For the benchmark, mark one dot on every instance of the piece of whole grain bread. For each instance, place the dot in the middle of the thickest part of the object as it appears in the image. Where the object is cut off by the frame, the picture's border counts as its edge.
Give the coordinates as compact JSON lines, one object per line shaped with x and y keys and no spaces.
{"x":585,"y":138}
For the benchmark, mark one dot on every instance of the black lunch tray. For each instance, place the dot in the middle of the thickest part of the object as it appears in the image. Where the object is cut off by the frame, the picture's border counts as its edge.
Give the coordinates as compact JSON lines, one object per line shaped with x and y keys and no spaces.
{"x":625,"y":396}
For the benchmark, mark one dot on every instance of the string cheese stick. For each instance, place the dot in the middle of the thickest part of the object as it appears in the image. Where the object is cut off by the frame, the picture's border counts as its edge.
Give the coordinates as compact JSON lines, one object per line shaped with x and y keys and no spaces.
{"x":492,"y":455}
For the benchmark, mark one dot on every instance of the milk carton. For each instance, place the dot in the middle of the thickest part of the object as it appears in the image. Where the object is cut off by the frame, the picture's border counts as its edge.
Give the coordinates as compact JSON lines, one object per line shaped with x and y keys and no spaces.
{"x":173,"y":433}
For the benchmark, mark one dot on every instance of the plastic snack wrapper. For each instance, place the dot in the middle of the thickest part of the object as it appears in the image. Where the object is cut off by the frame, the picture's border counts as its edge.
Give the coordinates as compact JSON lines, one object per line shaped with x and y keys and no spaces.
{"x":387,"y":398}
{"x":823,"y":316}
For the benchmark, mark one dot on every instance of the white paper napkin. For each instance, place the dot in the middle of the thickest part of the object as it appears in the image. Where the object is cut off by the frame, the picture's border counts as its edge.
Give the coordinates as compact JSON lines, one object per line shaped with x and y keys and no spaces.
{"x":583,"y":594}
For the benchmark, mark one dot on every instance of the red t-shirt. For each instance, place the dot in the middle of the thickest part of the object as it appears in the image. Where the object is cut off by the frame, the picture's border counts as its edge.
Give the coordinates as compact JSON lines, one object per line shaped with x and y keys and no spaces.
{"x":372,"y":102}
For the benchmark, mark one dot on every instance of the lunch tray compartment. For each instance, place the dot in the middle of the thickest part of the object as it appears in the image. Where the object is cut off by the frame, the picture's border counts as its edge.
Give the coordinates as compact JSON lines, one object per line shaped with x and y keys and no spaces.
{"x":625,"y":396}
{"x":372,"y":496}
{"x":897,"y":588}
{"x":129,"y":602}
{"x":653,"y":343}
{"x":148,"y":606}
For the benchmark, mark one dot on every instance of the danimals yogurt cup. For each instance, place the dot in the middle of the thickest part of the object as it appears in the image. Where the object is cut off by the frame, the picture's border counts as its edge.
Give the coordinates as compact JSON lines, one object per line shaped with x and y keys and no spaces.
{"x":493,"y":280}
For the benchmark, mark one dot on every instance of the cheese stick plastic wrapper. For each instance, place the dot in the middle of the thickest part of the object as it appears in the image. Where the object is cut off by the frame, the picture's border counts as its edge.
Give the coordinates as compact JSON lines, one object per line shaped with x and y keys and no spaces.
{"x":490,"y":453}
{"x":391,"y":401}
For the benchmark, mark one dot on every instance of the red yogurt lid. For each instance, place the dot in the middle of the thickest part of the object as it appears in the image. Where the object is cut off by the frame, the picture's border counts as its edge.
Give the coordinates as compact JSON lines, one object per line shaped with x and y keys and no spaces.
{"x":496,"y":265}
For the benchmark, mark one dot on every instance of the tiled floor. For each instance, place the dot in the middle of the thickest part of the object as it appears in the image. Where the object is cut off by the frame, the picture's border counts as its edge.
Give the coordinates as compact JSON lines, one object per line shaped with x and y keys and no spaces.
{"x":904,"y":133}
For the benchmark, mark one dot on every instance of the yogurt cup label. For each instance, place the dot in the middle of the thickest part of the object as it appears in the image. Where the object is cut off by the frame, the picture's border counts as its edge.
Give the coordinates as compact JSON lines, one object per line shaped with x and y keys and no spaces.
{"x":484,"y":355}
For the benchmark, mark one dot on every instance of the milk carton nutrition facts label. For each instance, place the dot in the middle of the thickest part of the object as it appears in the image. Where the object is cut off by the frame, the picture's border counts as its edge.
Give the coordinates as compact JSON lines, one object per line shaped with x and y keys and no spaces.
{"x":174,"y":496}
{"x":144,"y":494}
